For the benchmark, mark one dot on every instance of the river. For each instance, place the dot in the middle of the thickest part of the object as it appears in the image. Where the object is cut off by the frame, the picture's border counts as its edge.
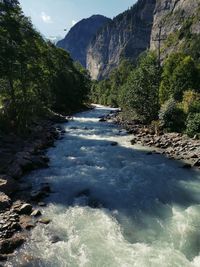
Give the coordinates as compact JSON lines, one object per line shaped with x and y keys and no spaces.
{"x":113,"y":205}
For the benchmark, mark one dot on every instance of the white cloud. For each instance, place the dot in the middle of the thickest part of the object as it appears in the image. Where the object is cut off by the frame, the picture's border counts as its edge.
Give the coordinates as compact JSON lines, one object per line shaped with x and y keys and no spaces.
{"x":46,"y":18}
{"x":73,"y":22}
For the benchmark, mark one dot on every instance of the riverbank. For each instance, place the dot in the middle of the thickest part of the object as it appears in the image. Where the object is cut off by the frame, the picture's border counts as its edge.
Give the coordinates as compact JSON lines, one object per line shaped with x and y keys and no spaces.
{"x":173,"y":145}
{"x":19,"y":155}
{"x":109,"y":196}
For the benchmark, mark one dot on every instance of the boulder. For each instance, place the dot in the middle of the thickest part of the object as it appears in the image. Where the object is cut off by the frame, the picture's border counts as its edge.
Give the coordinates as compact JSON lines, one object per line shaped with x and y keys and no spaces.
{"x":42,"y":204}
{"x":44,"y":221}
{"x":36,"y":213}
{"x":55,"y":239}
{"x":197,"y":163}
{"x":133,"y":141}
{"x":8,"y":246}
{"x":187,"y":166}
{"x":26,"y":222}
{"x":25,"y":209}
{"x":3,"y":258}
{"x":102,"y":120}
{"x":114,"y":144}
{"x":7,"y":184}
{"x":5,"y":201}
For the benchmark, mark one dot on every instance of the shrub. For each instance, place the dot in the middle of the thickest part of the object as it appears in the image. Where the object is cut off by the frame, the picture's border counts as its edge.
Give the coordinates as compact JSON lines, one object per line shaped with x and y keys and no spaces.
{"x":172,"y":117}
{"x":193,"y":125}
{"x":191,"y":101}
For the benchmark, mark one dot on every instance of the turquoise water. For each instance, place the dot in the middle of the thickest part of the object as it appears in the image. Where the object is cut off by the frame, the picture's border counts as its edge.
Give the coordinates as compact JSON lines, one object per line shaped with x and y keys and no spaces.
{"x":147,"y":207}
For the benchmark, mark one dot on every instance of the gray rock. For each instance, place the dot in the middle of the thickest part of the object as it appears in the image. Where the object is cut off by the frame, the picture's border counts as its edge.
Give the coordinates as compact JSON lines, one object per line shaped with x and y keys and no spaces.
{"x":124,"y":36}
{"x":7,"y":184}
{"x":26,"y":222}
{"x":25,"y":209}
{"x":44,"y":221}
{"x":36,"y":213}
{"x":8,"y":246}
{"x":114,"y":144}
{"x":5,"y":201}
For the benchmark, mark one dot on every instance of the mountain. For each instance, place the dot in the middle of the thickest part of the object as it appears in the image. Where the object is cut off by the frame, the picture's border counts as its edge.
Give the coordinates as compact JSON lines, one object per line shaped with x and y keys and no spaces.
{"x":127,"y":35}
{"x":53,"y":39}
{"x":80,"y":35}
{"x":177,"y":23}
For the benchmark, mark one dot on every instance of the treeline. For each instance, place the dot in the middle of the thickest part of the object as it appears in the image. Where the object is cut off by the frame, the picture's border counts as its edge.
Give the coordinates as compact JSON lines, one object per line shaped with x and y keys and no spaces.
{"x":166,"y":97}
{"x":35,"y":75}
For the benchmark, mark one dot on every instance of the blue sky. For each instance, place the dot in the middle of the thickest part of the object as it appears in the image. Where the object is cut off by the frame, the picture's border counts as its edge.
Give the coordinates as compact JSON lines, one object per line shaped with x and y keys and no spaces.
{"x":51,"y":17}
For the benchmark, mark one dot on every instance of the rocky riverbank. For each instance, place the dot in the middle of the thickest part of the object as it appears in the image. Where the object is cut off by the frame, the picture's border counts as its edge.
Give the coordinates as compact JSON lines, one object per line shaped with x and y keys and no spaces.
{"x":173,"y":145}
{"x":18,"y":156}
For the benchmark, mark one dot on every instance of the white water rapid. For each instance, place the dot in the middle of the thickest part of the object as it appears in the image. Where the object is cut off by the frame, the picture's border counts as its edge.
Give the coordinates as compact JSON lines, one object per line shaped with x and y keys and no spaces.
{"x":113,"y":206}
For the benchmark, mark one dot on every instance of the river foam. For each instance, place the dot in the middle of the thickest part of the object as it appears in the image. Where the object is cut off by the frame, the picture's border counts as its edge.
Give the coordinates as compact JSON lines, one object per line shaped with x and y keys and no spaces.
{"x":113,"y":205}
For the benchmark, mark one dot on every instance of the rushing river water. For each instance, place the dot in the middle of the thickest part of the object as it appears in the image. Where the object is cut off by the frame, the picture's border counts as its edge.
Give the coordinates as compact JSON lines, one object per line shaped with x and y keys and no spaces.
{"x":147,"y":208}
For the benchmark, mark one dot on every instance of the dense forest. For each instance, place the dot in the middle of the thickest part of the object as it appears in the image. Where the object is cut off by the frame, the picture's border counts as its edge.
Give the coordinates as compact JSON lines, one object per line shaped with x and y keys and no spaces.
{"x":166,"y":97}
{"x":36,"y":77}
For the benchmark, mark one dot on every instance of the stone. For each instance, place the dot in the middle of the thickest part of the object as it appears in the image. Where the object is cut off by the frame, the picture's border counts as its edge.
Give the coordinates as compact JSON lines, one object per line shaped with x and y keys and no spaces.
{"x":8,"y":246}
{"x":114,"y":144}
{"x":133,"y":141}
{"x":26,"y":222}
{"x":55,"y":239}
{"x":187,"y":166}
{"x":3,"y":258}
{"x":5,"y":201}
{"x":25,"y":209}
{"x":44,"y":221}
{"x":102,"y":120}
{"x":15,"y":226}
{"x":36,"y":213}
{"x":197,"y":163}
{"x":42,"y":204}
{"x":7,"y":184}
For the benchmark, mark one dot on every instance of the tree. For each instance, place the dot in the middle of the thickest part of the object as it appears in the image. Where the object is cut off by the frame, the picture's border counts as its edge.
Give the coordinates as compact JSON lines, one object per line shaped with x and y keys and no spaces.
{"x":35,"y":75}
{"x":180,"y":73}
{"x":141,"y":89}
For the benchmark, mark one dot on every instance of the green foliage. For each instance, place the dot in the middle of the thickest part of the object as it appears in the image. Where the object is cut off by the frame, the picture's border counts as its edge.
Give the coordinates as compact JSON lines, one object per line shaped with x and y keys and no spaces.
{"x":34,"y":74}
{"x":191,"y":102}
{"x":108,"y":91}
{"x":179,"y":74}
{"x":141,"y":90}
{"x":172,"y":117}
{"x":193,"y":125}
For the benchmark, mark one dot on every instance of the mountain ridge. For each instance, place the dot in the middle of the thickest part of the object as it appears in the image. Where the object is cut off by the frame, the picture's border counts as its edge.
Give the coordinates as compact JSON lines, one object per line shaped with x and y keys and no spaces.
{"x":78,"y":38}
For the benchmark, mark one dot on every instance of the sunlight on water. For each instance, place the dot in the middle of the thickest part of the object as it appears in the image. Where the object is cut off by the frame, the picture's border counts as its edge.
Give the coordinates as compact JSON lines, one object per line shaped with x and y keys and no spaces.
{"x":113,"y":205}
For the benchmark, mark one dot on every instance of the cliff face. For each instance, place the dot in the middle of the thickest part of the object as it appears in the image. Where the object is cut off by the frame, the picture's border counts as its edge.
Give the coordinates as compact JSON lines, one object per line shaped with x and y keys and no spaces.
{"x":127,"y":35}
{"x":79,"y":37}
{"x":178,"y":21}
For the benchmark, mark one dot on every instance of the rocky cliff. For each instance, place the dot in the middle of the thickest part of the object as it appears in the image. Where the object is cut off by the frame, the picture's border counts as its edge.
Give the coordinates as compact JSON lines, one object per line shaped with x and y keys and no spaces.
{"x":127,"y":35}
{"x":176,"y":23}
{"x":80,"y":35}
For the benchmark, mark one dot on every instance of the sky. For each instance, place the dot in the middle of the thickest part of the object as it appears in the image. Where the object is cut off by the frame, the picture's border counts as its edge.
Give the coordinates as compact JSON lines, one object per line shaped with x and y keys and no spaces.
{"x":52,"y":17}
